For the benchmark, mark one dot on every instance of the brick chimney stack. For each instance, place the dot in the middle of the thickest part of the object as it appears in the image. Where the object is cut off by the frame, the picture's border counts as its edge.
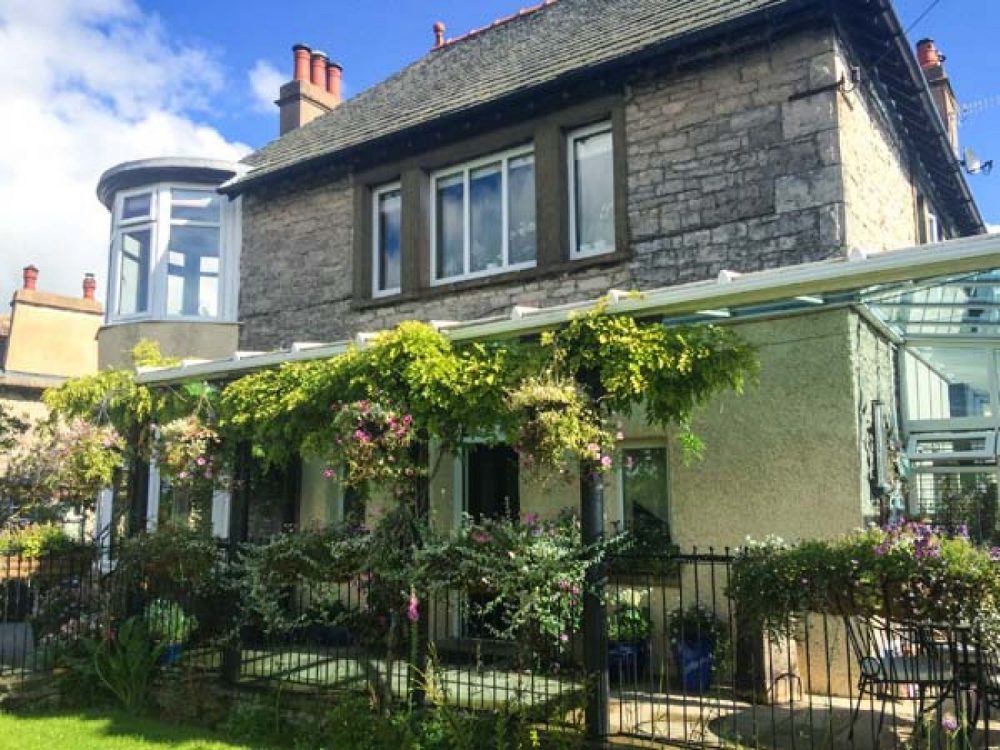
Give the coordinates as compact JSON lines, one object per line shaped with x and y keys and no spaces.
{"x":313,"y":90}
{"x":932,"y":63}
{"x":30,"y":278}
{"x":89,"y":286}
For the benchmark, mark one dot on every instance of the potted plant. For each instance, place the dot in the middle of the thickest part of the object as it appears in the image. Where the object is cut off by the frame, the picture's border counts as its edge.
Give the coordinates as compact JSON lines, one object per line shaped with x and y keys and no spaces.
{"x":699,"y":642}
{"x":629,"y":628}
{"x":170,"y":626}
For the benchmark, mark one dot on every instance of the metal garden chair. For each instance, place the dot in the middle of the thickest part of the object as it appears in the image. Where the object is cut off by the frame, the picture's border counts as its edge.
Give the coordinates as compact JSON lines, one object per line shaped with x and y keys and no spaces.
{"x":899,"y":662}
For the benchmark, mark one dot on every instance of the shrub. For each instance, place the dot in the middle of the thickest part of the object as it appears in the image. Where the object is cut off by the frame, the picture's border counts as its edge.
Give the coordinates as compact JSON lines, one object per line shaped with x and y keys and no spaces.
{"x":905,"y":570}
{"x":168,"y":622}
{"x":38,"y":540}
{"x":628,"y":617}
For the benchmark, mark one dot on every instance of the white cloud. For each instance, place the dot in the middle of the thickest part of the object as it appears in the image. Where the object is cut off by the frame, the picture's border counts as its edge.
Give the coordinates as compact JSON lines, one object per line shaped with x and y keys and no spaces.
{"x":993,"y":228}
{"x":86,"y":84}
{"x":265,"y":80}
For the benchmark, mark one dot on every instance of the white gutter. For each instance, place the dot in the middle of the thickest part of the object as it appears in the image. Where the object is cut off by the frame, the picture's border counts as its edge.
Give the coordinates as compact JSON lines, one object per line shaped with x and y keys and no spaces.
{"x":838,"y":275}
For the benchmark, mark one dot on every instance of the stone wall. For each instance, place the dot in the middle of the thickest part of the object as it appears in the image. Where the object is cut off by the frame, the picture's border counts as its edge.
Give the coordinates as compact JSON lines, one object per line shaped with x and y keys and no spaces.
{"x":726,"y":172}
{"x":723,"y":172}
{"x":880,"y":196}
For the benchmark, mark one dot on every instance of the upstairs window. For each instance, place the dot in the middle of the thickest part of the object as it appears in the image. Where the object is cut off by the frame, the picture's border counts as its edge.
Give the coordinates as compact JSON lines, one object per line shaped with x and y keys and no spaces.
{"x":173,"y":246}
{"x":193,"y":254}
{"x":483,"y":217}
{"x":386,"y":239}
{"x":591,"y":191}
{"x":135,"y":242}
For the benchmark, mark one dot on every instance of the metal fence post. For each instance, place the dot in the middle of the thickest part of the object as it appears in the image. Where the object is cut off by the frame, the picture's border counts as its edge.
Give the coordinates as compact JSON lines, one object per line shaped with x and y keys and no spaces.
{"x":595,"y":618}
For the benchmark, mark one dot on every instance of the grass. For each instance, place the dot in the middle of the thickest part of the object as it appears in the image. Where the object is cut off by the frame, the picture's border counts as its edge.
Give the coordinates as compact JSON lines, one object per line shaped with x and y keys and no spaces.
{"x":104,"y":731}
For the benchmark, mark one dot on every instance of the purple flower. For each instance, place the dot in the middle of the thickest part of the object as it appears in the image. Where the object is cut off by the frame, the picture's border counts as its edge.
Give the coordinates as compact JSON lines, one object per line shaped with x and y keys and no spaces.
{"x":949,"y":724}
{"x":529,"y":519}
{"x":413,"y":609}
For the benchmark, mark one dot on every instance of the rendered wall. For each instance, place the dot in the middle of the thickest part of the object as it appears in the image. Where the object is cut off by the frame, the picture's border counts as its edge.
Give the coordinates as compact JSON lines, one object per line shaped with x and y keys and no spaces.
{"x":187,"y":340}
{"x":47,"y":337}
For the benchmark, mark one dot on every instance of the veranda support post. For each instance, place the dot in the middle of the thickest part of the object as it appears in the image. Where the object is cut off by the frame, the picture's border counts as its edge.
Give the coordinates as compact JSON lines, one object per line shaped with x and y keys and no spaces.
{"x":595,"y":618}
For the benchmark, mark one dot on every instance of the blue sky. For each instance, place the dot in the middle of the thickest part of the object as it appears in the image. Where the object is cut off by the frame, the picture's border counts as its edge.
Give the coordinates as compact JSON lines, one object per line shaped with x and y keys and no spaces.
{"x":90,"y":83}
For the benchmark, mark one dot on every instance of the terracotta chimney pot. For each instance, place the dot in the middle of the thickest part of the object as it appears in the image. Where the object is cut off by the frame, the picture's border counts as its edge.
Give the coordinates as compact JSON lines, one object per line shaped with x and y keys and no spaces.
{"x":30,"y":277}
{"x":89,"y":286}
{"x":928,"y":55}
{"x":319,"y":69}
{"x":438,"y":34}
{"x":300,"y":57}
{"x":333,"y":76}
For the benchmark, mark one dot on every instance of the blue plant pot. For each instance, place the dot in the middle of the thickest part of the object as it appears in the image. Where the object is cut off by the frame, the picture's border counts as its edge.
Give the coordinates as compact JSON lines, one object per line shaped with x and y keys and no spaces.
{"x":695,"y":660}
{"x":172,"y":653}
{"x":627,"y":659}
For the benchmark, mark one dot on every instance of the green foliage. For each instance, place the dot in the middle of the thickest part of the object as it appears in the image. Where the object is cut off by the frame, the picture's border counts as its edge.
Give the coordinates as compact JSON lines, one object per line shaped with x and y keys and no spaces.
{"x":908,"y":571}
{"x":38,"y":540}
{"x":696,"y":623}
{"x":168,"y":622}
{"x":557,"y":428}
{"x":121,"y":665}
{"x":628,"y":616}
{"x":12,"y":428}
{"x":189,"y":453}
{"x":146,"y":353}
{"x":321,"y":559}
{"x":531,"y":571}
{"x":372,"y":441}
{"x":57,"y":466}
{"x":173,"y":556}
{"x":624,"y":363}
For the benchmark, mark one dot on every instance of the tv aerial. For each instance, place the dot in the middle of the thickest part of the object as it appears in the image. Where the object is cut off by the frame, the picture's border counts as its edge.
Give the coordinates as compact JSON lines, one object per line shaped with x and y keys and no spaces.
{"x":973,"y":164}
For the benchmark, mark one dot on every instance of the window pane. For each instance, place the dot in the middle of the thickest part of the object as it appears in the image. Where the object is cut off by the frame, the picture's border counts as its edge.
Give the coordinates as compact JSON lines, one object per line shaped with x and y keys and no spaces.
{"x":449,"y":222}
{"x":194,"y":205}
{"x":644,"y":489}
{"x":133,"y":281}
{"x":486,"y":214}
{"x":593,"y":194}
{"x":136,"y":206}
{"x":193,"y":258}
{"x":389,"y":227}
{"x":521,"y":209}
{"x":945,"y":382}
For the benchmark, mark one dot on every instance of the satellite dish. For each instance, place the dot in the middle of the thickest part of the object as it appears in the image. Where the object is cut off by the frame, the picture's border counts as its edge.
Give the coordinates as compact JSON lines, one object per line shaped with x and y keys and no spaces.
{"x":973,"y":164}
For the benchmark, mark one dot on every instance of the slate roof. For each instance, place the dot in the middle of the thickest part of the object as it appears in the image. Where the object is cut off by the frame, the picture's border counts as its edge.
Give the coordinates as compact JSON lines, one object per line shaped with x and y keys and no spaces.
{"x":524,"y":51}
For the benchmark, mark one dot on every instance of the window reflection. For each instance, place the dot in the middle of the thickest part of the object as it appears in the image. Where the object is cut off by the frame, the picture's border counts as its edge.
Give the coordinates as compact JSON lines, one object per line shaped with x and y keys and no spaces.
{"x":947,"y":382}
{"x":388,"y":242}
{"x":593,"y":195}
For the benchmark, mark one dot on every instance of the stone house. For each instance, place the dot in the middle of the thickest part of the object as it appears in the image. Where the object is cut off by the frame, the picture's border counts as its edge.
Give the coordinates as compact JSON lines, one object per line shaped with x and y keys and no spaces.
{"x":583,"y":146}
{"x":44,"y":340}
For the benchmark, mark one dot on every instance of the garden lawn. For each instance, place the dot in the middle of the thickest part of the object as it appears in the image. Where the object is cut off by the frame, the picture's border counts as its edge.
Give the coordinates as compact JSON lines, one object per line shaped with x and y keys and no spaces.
{"x":103,"y":731}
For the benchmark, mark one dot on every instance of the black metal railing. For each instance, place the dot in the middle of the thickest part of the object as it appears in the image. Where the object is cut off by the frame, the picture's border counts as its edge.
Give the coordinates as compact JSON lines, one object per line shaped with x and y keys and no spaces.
{"x":685,"y":667}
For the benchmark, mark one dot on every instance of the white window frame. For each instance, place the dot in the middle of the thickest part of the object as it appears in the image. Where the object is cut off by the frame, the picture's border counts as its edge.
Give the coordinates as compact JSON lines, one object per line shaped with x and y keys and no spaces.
{"x":988,"y":452}
{"x":504,"y":157}
{"x":230,"y":239}
{"x":119,"y":229}
{"x":605,"y":126}
{"x":376,"y":255}
{"x":628,"y":445}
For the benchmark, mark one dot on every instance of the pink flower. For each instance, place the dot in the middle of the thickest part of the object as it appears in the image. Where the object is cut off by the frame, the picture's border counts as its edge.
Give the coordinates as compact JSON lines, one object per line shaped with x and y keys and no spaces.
{"x":328,"y":473}
{"x":200,"y":460}
{"x":606,"y":462}
{"x":413,"y":608}
{"x":182,"y":475}
{"x":480,"y":537}
{"x":563,"y":637}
